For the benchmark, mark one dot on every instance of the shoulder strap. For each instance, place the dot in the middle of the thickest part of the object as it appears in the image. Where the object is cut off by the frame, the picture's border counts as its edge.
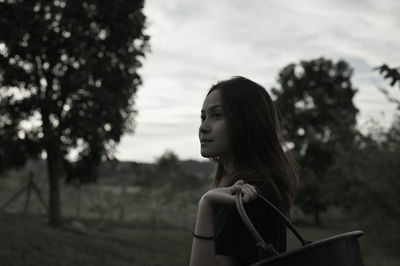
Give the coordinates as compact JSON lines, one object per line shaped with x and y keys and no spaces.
{"x":264,"y":248}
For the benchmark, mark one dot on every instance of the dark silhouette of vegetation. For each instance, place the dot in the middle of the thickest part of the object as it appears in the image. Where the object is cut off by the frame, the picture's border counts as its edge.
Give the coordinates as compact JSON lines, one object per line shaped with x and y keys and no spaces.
{"x":373,"y":170}
{"x":315,"y":100}
{"x":168,"y":177}
{"x":393,"y":75}
{"x":68,"y":74}
{"x":369,"y":189}
{"x":390,"y":73}
{"x":369,"y":173}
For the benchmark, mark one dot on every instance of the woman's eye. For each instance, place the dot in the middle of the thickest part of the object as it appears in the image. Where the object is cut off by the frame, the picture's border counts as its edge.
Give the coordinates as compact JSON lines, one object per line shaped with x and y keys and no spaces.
{"x":203,"y":117}
{"x":217,"y":115}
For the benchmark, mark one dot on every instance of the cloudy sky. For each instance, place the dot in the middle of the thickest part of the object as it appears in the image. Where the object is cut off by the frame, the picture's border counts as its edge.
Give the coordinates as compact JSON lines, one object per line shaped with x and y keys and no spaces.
{"x":196,"y":43}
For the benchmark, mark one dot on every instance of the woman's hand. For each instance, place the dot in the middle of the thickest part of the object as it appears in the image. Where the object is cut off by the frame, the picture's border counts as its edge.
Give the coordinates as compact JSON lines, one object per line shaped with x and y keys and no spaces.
{"x":203,"y":251}
{"x":227,"y":195}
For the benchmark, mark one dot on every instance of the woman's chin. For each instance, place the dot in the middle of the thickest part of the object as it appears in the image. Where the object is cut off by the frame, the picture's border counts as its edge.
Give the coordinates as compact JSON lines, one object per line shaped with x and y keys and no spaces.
{"x":206,"y":154}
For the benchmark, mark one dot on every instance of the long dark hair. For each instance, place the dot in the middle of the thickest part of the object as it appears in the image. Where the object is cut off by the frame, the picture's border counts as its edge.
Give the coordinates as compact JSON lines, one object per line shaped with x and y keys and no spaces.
{"x":257,"y":140}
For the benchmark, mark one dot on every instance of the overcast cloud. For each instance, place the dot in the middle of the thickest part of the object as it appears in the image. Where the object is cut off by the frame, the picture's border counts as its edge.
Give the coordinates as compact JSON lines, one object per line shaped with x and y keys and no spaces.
{"x":196,"y":43}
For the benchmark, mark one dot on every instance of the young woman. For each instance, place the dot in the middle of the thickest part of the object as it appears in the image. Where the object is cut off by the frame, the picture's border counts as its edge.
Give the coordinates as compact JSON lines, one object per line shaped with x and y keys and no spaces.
{"x":240,"y":130}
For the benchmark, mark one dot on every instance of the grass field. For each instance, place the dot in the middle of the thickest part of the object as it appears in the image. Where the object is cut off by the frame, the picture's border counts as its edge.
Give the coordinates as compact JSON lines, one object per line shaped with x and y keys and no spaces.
{"x":25,"y":242}
{"x":28,"y":241}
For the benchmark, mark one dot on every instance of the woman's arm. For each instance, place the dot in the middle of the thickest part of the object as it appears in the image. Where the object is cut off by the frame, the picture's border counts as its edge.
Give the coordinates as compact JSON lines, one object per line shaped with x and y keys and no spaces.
{"x":203,"y":250}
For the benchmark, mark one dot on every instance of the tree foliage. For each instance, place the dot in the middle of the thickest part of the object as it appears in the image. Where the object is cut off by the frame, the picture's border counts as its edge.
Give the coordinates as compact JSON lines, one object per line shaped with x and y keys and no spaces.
{"x":315,"y":101}
{"x":393,"y":75}
{"x":375,"y":166}
{"x":370,"y":189}
{"x":68,"y":74}
{"x":390,"y":73}
{"x":369,"y":183}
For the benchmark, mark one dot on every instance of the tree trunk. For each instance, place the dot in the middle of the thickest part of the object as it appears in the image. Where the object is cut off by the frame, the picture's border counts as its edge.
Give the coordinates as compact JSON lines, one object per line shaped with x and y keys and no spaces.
{"x":54,"y":170}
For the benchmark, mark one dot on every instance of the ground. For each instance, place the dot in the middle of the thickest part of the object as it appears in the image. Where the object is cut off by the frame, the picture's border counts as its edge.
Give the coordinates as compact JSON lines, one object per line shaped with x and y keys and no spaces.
{"x":29,"y":241}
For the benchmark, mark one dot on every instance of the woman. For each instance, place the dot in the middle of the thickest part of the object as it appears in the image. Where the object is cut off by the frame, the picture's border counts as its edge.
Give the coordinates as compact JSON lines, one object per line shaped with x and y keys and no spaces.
{"x":240,"y":130}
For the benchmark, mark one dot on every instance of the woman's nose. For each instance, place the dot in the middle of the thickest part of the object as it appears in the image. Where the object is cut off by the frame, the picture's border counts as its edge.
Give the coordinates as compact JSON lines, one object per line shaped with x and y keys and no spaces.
{"x":204,"y":127}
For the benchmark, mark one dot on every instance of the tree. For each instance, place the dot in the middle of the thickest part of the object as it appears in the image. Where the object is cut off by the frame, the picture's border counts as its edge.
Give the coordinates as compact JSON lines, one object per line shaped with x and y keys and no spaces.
{"x":315,"y":102}
{"x":68,"y":74}
{"x":370,"y":190}
{"x":392,"y":74}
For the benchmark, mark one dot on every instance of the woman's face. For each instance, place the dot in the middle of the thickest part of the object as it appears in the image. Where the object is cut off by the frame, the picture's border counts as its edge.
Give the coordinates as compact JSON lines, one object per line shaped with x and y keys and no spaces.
{"x":213,"y":132}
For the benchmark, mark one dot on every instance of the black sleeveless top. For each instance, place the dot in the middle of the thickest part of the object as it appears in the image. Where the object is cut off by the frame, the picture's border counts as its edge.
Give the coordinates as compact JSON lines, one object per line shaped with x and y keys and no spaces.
{"x":232,"y":238}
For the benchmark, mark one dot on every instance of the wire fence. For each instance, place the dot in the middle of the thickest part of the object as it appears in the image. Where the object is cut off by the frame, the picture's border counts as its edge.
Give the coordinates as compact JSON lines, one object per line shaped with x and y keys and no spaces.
{"x":101,"y":202}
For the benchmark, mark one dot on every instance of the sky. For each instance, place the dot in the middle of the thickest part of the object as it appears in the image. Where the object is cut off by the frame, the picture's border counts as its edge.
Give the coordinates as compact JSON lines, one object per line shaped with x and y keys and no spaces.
{"x":195,"y":43}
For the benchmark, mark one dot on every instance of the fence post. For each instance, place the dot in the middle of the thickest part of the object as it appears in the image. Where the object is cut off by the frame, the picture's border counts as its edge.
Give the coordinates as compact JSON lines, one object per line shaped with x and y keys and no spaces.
{"x":121,"y":204}
{"x":28,"y":193}
{"x":78,"y":201}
